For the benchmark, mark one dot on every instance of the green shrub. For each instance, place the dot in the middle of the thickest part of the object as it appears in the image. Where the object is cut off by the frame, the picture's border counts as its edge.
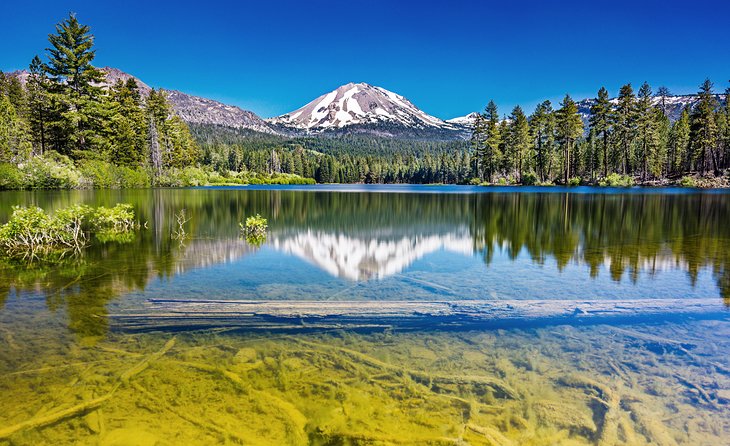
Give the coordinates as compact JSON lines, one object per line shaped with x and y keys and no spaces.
{"x":132,"y":178}
{"x":98,"y":174}
{"x":688,"y":181}
{"x":574,"y":181}
{"x":32,"y":233}
{"x":529,"y":179}
{"x":52,"y":171}
{"x":254,"y":229}
{"x":616,"y":180}
{"x":10,"y":177}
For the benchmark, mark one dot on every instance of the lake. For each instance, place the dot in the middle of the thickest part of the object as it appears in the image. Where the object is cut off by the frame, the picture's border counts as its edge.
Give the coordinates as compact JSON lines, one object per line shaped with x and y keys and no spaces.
{"x":376,"y":315}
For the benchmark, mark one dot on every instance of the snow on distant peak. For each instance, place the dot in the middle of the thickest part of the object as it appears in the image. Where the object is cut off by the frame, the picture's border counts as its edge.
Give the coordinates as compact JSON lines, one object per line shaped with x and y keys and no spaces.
{"x":359,"y":103}
{"x":467,"y":120}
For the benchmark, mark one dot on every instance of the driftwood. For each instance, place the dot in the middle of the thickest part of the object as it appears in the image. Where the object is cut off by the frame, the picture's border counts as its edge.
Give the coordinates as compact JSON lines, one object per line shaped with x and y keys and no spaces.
{"x":192,"y":420}
{"x":500,"y":387}
{"x":87,"y":406}
{"x":293,"y":417}
{"x":54,"y":417}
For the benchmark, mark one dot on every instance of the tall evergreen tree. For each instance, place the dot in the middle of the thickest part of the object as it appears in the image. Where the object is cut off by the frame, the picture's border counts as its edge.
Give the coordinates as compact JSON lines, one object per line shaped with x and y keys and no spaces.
{"x":647,"y":131}
{"x":569,"y":127}
{"x":625,"y":126}
{"x":662,"y":94}
{"x":38,"y":103}
{"x":679,"y":144}
{"x":600,"y":122}
{"x":704,"y":130}
{"x":518,"y":137}
{"x":492,"y":154}
{"x":542,"y":126}
{"x":14,"y":135}
{"x":77,"y":114}
{"x":478,"y":142}
{"x":128,"y":126}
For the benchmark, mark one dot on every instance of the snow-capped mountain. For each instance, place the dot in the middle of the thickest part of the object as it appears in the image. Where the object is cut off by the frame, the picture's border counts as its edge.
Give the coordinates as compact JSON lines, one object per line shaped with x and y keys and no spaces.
{"x":364,"y":108}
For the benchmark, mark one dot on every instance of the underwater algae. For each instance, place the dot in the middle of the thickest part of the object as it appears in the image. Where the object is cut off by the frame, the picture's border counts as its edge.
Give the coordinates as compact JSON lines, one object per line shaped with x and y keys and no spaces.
{"x":564,"y":385}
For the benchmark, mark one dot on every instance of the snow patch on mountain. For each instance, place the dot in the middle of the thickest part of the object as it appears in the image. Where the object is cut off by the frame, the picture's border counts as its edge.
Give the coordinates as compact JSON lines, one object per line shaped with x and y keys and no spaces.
{"x":467,"y":120}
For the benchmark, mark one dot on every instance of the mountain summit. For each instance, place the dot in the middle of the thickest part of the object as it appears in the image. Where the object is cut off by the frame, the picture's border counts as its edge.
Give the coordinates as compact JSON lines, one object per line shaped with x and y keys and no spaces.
{"x":364,"y":108}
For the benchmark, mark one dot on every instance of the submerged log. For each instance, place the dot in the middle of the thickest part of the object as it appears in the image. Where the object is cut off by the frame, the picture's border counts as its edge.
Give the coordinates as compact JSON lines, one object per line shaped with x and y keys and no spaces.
{"x":403,"y":314}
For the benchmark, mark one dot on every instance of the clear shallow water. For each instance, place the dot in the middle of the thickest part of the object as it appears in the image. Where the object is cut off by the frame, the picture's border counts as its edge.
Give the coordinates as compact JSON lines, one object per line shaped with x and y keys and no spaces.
{"x":659,"y":381}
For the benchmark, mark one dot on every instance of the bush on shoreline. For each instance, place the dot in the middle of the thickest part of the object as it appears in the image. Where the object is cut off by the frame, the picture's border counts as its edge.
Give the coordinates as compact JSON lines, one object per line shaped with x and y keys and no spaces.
{"x":55,"y":171}
{"x":32,"y":233}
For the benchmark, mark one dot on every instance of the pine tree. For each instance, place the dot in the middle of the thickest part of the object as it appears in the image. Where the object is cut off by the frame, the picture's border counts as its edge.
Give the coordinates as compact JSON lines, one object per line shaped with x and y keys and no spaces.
{"x":542,"y":126}
{"x":569,"y":127}
{"x":76,"y":116}
{"x":662,"y":95}
{"x":646,"y":130}
{"x":518,"y":141}
{"x":491,"y":157}
{"x":15,"y":143}
{"x":128,"y":126}
{"x":679,"y":144}
{"x":600,"y":122}
{"x":38,"y":86}
{"x":478,"y":142}
{"x":704,"y":130}
{"x":625,"y":126}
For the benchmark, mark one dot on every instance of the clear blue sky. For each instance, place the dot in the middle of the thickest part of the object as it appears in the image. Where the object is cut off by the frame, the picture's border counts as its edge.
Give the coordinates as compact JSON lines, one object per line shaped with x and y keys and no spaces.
{"x":448,"y":58}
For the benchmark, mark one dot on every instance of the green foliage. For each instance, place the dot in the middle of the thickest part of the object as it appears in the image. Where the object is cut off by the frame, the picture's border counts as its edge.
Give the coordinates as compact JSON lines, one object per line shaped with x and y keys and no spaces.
{"x":529,"y":179}
{"x":31,"y":233}
{"x":568,"y":128}
{"x":254,"y":229}
{"x":688,"y":181}
{"x":10,"y":176}
{"x":187,"y":177}
{"x":282,"y":178}
{"x":52,"y":171}
{"x":616,"y":180}
{"x":574,"y":181}
{"x":102,"y":175}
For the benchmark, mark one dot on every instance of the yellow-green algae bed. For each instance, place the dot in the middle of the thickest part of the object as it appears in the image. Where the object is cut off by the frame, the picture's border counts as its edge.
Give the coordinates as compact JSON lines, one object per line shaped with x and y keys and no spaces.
{"x":553,"y":385}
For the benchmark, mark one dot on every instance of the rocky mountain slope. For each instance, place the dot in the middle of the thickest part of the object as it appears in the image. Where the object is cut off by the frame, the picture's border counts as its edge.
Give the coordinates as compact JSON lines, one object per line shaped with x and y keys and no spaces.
{"x":192,"y":109}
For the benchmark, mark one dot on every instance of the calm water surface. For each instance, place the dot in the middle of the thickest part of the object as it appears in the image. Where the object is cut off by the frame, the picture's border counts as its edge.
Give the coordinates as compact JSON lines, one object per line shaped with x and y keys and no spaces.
{"x":67,"y":344}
